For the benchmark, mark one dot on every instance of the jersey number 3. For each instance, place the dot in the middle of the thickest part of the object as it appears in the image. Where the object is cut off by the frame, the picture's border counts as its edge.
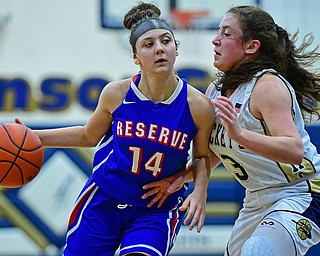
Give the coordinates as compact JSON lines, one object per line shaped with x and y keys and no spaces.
{"x":152,"y":165}
{"x":239,"y":171}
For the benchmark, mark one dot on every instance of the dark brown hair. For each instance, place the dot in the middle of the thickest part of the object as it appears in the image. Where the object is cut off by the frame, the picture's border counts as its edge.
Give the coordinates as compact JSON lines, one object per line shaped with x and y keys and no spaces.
{"x":139,"y":13}
{"x":277,"y":51}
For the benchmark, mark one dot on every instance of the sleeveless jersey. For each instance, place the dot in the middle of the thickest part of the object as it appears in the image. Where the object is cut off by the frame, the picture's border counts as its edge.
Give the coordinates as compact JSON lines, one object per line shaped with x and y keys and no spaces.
{"x":253,"y":171}
{"x":148,"y":142}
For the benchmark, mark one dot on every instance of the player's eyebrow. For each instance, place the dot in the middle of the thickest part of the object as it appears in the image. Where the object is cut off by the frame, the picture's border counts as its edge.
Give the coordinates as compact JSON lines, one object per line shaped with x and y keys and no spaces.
{"x":160,"y":36}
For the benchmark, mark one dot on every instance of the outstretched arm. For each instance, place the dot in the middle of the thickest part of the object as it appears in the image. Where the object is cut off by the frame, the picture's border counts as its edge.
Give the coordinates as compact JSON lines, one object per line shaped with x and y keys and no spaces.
{"x":161,"y":189}
{"x":92,"y":132}
{"x":203,"y":116}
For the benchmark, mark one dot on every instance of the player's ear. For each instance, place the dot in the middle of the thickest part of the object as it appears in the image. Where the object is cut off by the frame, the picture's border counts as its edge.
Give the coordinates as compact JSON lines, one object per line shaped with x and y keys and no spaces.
{"x":252,"y":46}
{"x":135,"y":59}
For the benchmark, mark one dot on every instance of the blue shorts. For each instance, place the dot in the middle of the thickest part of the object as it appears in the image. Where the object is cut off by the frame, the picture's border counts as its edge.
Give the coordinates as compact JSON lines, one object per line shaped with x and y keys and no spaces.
{"x":100,"y":224}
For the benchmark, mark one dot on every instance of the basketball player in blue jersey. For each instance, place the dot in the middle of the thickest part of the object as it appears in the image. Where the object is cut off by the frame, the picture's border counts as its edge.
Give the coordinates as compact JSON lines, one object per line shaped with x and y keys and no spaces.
{"x":146,"y":125}
{"x":259,"y":135}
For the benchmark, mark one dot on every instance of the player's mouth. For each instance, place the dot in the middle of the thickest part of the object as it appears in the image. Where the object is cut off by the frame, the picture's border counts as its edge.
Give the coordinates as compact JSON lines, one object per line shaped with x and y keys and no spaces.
{"x":161,"y":60}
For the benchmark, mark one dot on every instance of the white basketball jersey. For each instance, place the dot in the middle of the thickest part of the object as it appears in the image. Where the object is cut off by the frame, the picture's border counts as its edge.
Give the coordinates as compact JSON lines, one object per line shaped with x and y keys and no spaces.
{"x":253,"y":171}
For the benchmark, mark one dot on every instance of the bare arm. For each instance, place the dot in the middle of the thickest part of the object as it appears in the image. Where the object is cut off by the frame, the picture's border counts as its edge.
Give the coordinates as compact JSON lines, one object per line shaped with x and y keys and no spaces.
{"x":270,"y":102}
{"x":187,"y":173}
{"x":203,"y":116}
{"x":90,"y":134}
{"x":162,"y":188}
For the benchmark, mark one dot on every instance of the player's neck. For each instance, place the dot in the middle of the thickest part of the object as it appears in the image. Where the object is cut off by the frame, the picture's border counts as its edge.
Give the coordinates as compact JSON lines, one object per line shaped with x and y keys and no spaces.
{"x":158,"y":89}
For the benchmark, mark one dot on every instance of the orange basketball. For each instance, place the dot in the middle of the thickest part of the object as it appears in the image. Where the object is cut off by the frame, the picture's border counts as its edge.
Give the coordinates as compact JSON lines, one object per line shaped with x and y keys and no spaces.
{"x":21,"y":155}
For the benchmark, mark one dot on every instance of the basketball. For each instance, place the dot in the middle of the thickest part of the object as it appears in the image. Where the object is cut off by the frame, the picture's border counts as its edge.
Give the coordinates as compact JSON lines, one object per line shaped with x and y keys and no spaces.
{"x":21,"y":155}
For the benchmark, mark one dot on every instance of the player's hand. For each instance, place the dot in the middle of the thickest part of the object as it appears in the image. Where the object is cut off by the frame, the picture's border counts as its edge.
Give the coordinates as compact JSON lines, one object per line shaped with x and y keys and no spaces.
{"x":162,"y":189}
{"x":159,"y":190}
{"x":196,"y":212}
{"x":228,"y":113}
{"x":18,"y":121}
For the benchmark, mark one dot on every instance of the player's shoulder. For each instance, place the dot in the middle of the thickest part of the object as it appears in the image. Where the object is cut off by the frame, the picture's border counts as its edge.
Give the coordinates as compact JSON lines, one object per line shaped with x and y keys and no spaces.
{"x":196,"y":96}
{"x":113,"y":93}
{"x":200,"y":106}
{"x":270,"y":87}
{"x":116,"y":89}
{"x":269,"y":81}
{"x":116,"y":86}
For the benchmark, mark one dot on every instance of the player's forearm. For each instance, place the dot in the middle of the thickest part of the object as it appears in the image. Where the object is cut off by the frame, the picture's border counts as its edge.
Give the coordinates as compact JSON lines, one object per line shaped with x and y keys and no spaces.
{"x":201,"y":173}
{"x":188,"y":173}
{"x":192,"y":165}
{"x":70,"y":137}
{"x":282,"y":149}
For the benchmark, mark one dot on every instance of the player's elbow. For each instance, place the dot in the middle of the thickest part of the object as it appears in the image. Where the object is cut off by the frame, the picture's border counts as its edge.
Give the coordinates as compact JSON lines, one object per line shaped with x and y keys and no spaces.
{"x":297,"y":155}
{"x":88,"y":141}
{"x":298,"y":159}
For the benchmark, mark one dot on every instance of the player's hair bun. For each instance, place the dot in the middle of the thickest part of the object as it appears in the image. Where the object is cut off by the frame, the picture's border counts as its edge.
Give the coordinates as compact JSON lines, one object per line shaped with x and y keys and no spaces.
{"x":140,"y":12}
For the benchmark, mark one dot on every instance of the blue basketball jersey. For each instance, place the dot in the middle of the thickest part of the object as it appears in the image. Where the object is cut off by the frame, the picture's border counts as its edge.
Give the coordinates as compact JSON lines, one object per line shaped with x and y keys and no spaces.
{"x":148,"y":142}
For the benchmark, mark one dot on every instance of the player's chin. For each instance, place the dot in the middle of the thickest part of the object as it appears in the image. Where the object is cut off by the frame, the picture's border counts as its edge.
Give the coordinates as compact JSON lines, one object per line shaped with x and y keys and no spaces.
{"x":161,"y":71}
{"x":166,"y":70}
{"x":220,"y":66}
{"x":217,"y":63}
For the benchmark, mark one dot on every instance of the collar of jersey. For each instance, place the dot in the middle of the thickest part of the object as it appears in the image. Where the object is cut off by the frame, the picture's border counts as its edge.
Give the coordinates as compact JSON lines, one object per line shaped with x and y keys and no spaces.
{"x":135,"y":82}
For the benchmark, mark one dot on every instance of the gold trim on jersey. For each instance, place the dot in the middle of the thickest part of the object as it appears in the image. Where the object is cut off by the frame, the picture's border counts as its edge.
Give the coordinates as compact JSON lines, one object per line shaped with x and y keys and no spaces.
{"x":293,"y":172}
{"x":265,"y":128}
{"x":314,"y":185}
{"x":296,"y":172}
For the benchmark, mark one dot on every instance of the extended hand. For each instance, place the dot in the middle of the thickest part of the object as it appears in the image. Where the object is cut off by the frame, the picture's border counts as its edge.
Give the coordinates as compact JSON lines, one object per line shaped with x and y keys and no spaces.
{"x":228,"y":114}
{"x":196,"y":212}
{"x":162,"y":189}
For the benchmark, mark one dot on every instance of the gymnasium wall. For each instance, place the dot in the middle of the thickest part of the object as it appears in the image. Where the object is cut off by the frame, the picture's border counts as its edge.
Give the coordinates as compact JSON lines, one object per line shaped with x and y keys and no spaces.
{"x":54,"y":60}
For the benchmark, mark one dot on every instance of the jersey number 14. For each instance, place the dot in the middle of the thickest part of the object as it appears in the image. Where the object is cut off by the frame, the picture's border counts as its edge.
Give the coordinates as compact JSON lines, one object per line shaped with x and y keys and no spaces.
{"x":152,"y":165}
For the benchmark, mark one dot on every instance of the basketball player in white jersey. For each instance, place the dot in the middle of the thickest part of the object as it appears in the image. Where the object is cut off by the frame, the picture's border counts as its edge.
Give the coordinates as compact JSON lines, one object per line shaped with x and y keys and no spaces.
{"x":259,"y":136}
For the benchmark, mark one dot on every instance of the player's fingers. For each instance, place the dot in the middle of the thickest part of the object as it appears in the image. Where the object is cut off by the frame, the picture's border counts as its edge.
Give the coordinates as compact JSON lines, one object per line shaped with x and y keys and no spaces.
{"x":222,"y":108}
{"x":185,"y":204}
{"x":201,"y":221}
{"x":224,"y":101}
{"x":193,"y":222}
{"x":177,"y":184}
{"x":163,"y":198}
{"x":190,"y":212}
{"x":194,"y":217}
{"x":155,"y":199}
{"x":190,"y":218}
{"x":151,"y":185}
{"x":151,"y":192}
{"x":18,"y":121}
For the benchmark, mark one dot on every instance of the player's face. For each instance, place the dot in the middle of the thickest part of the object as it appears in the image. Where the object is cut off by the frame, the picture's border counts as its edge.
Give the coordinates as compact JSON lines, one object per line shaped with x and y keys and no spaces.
{"x":228,"y":44}
{"x":156,"y":51}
